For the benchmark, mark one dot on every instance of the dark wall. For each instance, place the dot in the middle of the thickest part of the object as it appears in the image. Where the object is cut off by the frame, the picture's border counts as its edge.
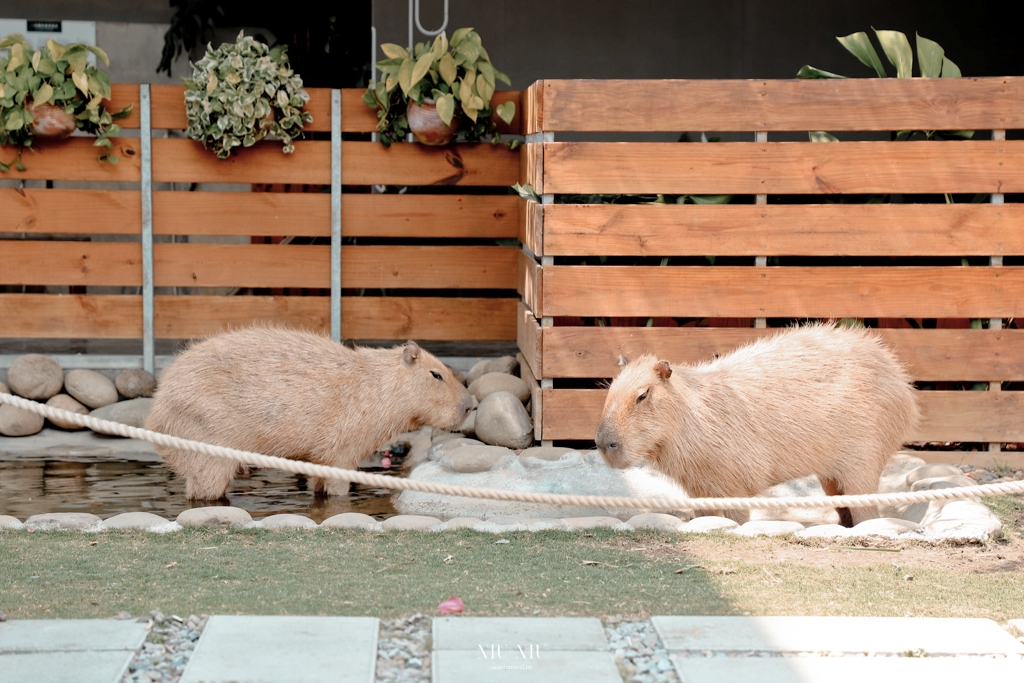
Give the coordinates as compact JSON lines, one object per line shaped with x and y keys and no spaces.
{"x":142,"y":11}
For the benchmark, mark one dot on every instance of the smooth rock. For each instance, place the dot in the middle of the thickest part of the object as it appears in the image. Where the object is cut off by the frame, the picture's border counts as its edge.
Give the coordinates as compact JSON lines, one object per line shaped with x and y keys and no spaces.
{"x":894,"y":476}
{"x":804,"y":486}
{"x":506,"y":364}
{"x":132,"y":413}
{"x":825,"y":531}
{"x":288,"y":521}
{"x":549,"y":453}
{"x":440,"y":437}
{"x":409,"y":523}
{"x":962,"y":520}
{"x":63,"y":520}
{"x":19,"y":422}
{"x":502,"y":420}
{"x":506,"y":523}
{"x":8,"y":522}
{"x":888,"y":527}
{"x":768,"y":528}
{"x":35,"y":376}
{"x":655,"y":520}
{"x":90,"y":388}
{"x":135,"y":383}
{"x":350,"y":520}
{"x":65,"y":402}
{"x":473,"y":458}
{"x":499,"y":381}
{"x":4,"y":389}
{"x":222,"y":517}
{"x":952,"y":481}
{"x":463,"y":522}
{"x":708,"y":523}
{"x":592,"y":522}
{"x":134,"y":520}
{"x":468,"y":427}
{"x":443,"y":448}
{"x":932,"y":471}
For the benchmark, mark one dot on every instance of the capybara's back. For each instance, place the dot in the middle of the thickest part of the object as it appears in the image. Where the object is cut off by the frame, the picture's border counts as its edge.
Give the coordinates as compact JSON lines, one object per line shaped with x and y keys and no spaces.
{"x":298,"y":395}
{"x":820,"y":399}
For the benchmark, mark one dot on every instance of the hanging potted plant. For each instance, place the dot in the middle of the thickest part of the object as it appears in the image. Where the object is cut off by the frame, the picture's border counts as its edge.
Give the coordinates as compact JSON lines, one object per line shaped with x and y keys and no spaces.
{"x":51,"y":93}
{"x":243,"y":92}
{"x":441,"y":91}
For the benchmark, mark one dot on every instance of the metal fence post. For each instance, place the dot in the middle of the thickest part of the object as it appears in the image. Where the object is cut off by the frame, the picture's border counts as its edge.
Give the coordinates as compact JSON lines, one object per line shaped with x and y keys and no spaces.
{"x":336,"y":215}
{"x":146,"y":137}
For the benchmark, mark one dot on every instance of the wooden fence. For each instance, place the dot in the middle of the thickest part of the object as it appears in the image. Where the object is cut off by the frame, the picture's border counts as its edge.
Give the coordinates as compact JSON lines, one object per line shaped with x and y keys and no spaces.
{"x":896,"y":265}
{"x":397,"y":248}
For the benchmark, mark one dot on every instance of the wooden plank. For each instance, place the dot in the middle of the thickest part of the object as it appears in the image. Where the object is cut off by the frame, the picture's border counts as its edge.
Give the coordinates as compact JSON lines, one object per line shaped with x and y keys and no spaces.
{"x":371,"y":267}
{"x":309,"y":214}
{"x":536,"y":409}
{"x":964,"y":416}
{"x":98,"y":212}
{"x":1012,"y":459}
{"x":533,"y":108}
{"x":855,"y":104}
{"x":531,"y":166}
{"x":781,"y":230}
{"x":123,"y":94}
{"x":531,"y":225}
{"x":71,"y":263}
{"x":930,"y":355}
{"x":366,"y":163}
{"x":798,"y":292}
{"x":529,"y":281}
{"x":784,"y":167}
{"x":75,"y":159}
{"x":529,"y":339}
{"x":70,"y":316}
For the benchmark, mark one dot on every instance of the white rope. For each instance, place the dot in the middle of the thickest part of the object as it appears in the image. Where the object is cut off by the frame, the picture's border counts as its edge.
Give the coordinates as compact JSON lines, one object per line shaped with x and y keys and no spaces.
{"x":382,"y":481}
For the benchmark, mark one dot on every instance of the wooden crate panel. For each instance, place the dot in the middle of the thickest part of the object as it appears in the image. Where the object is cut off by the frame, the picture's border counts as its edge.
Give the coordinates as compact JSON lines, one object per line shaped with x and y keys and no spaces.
{"x":177,"y":160}
{"x":71,"y":263}
{"x":930,"y":355}
{"x":71,"y":316}
{"x":965,"y":416}
{"x":98,"y":212}
{"x":776,"y":230}
{"x":398,"y":318}
{"x":123,"y":94}
{"x":800,"y":292}
{"x":529,"y":340}
{"x":855,"y":104}
{"x":372,"y":267}
{"x":784,"y":167}
{"x":529,"y":281}
{"x":75,"y":159}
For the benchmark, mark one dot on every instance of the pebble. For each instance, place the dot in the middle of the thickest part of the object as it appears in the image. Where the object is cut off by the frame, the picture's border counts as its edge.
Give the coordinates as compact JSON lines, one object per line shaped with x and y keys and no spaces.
{"x":132,"y":413}
{"x":708,"y":523}
{"x":19,"y":422}
{"x":167,"y":649}
{"x":655,"y":520}
{"x":8,"y":522}
{"x":768,"y":528}
{"x":887,"y":527}
{"x":468,"y":427}
{"x":638,"y":652}
{"x":403,"y":650}
{"x":223,"y":517}
{"x":62,"y":520}
{"x":90,"y":388}
{"x":288,"y":521}
{"x":550,"y":453}
{"x":134,"y":520}
{"x":35,"y":376}
{"x":502,"y":420}
{"x":409,"y":523}
{"x":506,"y":364}
{"x":65,"y":402}
{"x":135,"y":383}
{"x":499,"y":381}
{"x":462,"y":522}
{"x":350,"y":520}
{"x":468,"y":459}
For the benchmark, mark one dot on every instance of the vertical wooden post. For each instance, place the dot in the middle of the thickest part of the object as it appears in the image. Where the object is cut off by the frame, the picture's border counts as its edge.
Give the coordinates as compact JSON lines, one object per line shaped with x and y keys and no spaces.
{"x":546,"y":321}
{"x":146,"y":188}
{"x":761,"y":261}
{"x":996,"y":262}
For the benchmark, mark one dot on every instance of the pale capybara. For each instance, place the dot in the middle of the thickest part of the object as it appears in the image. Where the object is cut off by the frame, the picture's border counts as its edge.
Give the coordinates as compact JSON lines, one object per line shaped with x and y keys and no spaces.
{"x":297,"y":395}
{"x":820,"y":399}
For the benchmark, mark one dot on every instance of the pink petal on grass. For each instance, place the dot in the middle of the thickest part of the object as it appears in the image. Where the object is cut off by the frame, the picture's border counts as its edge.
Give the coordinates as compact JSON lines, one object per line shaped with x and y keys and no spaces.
{"x":452,"y":605}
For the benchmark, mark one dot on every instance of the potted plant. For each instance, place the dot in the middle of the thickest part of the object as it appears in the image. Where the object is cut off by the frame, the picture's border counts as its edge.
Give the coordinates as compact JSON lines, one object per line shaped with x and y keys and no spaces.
{"x":51,"y":93}
{"x":243,"y":92}
{"x":441,"y":91}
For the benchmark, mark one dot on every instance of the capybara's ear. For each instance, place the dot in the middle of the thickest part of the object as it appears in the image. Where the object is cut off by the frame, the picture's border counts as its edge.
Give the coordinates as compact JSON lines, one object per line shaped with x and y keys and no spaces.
{"x":663,"y":369}
{"x":411,"y":352}
{"x":623,"y":361}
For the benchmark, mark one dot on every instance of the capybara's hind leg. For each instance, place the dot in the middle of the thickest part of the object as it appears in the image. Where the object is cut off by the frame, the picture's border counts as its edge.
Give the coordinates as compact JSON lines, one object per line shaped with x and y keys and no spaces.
{"x":860,"y":486}
{"x":832,"y":488}
{"x":206,"y":477}
{"x":330,"y":487}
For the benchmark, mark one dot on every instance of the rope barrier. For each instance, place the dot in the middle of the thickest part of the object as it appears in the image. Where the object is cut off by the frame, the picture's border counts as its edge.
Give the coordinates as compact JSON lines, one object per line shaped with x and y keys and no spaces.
{"x":383,"y":481}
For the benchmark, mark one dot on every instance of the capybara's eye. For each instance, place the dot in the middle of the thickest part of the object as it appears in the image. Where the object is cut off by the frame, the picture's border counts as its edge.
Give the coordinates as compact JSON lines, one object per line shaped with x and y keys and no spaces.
{"x":437,"y":375}
{"x":642,"y":396}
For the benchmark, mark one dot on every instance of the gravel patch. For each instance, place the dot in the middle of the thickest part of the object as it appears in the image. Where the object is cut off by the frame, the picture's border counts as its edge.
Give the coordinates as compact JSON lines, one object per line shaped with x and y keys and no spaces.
{"x":168,"y":647}
{"x":403,"y":650}
{"x":638,"y":652}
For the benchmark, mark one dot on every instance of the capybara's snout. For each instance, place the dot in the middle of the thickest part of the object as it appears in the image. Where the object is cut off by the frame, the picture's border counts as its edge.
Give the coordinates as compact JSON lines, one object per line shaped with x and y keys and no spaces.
{"x":610,"y":445}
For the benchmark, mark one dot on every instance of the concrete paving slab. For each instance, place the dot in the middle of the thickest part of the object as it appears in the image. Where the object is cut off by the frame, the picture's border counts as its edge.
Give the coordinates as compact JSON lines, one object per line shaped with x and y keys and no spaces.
{"x":846,"y":669}
{"x":547,"y":633}
{"x":69,"y":635}
{"x":106,"y":666}
{"x":854,"y":635}
{"x":462,"y":666}
{"x":284,"y":649}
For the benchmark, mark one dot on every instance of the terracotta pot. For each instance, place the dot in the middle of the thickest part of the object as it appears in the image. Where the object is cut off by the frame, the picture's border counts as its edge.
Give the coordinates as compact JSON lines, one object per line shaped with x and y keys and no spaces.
{"x":50,"y":122}
{"x":427,"y":126}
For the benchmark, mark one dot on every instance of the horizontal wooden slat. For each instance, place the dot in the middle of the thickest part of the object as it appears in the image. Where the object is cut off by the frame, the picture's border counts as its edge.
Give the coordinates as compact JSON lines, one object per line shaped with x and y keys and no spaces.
{"x":966,"y":416}
{"x":75,"y":159}
{"x":123,"y":94}
{"x":70,"y":316}
{"x":780,"y":229}
{"x":98,"y":212}
{"x":781,"y":105}
{"x":71,"y":263}
{"x":799,"y":292}
{"x":784,"y":167}
{"x":371,"y":267}
{"x":529,"y":281}
{"x":930,"y":355}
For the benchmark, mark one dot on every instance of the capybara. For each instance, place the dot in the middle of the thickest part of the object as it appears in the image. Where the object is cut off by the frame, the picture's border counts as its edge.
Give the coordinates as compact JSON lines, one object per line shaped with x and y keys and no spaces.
{"x":297,"y":395}
{"x":820,"y":399}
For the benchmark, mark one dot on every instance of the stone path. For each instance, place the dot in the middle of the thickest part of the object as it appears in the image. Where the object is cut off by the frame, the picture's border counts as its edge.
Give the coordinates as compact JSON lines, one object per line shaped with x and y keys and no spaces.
{"x":257,"y":649}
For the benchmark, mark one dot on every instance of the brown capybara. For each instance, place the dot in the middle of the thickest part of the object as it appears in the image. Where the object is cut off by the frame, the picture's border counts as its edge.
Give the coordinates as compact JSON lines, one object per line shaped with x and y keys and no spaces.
{"x":297,"y":395}
{"x":820,"y":399}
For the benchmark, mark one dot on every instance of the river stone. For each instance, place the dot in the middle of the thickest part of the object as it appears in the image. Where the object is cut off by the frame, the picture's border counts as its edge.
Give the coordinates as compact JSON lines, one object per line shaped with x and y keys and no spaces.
{"x":888,"y":527}
{"x":134,"y":520}
{"x":499,"y":381}
{"x":35,"y":376}
{"x":505,"y":364}
{"x":442,"y":436}
{"x":462,"y":522}
{"x":350,"y":520}
{"x":655,"y":520}
{"x":288,"y":521}
{"x":708,"y":523}
{"x":894,"y":476}
{"x":549,"y":453}
{"x":962,"y":520}
{"x":65,"y":402}
{"x":468,"y":427}
{"x":8,"y":522}
{"x":442,"y":448}
{"x":63,"y":520}
{"x":502,"y":420}
{"x":409,"y":523}
{"x":222,"y":517}
{"x":768,"y":528}
{"x":90,"y":388}
{"x":19,"y":422}
{"x":932,"y":471}
{"x":473,"y":458}
{"x":135,"y":383}
{"x":4,"y":389}
{"x":132,"y":413}
{"x":592,"y":522}
{"x":942,"y":482}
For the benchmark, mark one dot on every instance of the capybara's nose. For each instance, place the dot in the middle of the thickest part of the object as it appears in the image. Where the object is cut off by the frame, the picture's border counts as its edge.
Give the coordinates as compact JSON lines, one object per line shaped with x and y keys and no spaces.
{"x":606,"y":440}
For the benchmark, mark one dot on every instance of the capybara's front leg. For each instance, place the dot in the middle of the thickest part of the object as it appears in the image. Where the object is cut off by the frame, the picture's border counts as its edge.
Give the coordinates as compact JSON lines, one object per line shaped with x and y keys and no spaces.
{"x":330,"y":487}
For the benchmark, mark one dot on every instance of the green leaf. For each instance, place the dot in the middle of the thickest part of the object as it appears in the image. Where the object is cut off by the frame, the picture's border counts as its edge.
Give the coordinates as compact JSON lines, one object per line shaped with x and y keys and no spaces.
{"x":897,"y":49}
{"x":966,"y":134}
{"x":81,"y":82}
{"x":394,"y":51}
{"x":99,"y":53}
{"x":15,"y":120}
{"x":850,"y":323}
{"x":506,"y":112}
{"x":422,"y":67}
{"x":711,"y":198}
{"x":859,"y":45}
{"x":486,"y":71}
{"x":821,"y":136}
{"x":949,"y":69}
{"x":526,"y":192}
{"x":18,"y":38}
{"x":43,"y":95}
{"x":4,"y":167}
{"x":77,"y":56}
{"x":929,"y":57}
{"x":446,"y":108}
{"x":405,"y":76}
{"x":448,"y":69}
{"x":18,"y":165}
{"x":807,"y":71}
{"x":498,"y":75}
{"x":459,"y":36}
{"x":976,"y":324}
{"x":486,"y":90}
